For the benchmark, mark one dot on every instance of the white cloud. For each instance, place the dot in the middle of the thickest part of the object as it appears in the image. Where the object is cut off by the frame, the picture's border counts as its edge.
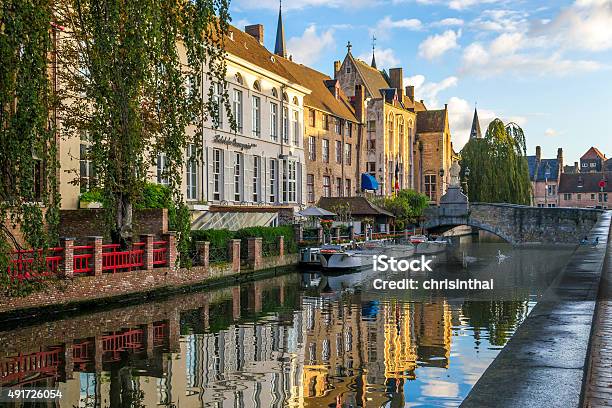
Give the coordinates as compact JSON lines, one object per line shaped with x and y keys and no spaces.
{"x":453,"y":4}
{"x":501,"y":20}
{"x":385,"y":58}
{"x":586,"y":25}
{"x":428,"y":91}
{"x":308,"y":48}
{"x":448,"y":22}
{"x":550,"y":132}
{"x":243,"y":22}
{"x":383,"y":27}
{"x":461,"y":113}
{"x":436,"y":45}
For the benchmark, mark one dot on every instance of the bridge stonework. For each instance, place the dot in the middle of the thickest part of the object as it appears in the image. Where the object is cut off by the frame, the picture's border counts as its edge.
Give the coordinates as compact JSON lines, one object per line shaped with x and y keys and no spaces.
{"x":517,"y":224}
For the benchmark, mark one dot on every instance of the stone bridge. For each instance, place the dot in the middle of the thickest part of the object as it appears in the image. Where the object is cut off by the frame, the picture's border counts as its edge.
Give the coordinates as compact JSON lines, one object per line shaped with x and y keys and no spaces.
{"x":516,"y":224}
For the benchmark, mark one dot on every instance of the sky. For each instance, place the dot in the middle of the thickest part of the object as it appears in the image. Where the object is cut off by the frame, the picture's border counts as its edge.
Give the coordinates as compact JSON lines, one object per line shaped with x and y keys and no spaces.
{"x":545,"y":65}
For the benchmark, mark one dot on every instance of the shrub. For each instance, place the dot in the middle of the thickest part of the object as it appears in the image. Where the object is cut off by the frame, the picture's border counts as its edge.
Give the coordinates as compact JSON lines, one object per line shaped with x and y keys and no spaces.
{"x":91,"y":196}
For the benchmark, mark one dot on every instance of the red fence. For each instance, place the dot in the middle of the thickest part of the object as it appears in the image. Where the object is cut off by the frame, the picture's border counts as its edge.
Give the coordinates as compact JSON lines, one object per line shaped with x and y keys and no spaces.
{"x":33,"y":263}
{"x":26,"y":264}
{"x":18,"y":369}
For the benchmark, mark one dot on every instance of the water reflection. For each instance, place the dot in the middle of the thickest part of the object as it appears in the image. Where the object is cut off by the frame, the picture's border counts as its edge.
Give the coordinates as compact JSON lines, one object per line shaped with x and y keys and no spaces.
{"x":288,"y":341}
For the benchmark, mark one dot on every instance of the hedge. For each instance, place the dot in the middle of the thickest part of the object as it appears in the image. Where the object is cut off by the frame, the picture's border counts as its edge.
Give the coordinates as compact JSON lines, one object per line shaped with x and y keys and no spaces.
{"x":220,"y":238}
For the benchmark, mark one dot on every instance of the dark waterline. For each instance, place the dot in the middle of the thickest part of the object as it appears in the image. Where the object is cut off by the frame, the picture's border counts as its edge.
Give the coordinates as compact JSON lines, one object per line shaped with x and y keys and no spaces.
{"x":295,"y":340}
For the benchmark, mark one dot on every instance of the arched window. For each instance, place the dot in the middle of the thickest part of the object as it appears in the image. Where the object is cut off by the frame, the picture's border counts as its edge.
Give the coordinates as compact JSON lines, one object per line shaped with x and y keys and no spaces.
{"x":390,"y":131}
{"x":274,"y":93}
{"x":238,"y":79}
{"x":285,"y":97}
{"x":295,"y":101}
{"x":400,"y":134}
{"x":257,"y":86}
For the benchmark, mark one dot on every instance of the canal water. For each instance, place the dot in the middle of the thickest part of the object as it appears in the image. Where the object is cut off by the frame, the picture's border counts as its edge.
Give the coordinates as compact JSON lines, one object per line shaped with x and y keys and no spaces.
{"x":297,"y":340}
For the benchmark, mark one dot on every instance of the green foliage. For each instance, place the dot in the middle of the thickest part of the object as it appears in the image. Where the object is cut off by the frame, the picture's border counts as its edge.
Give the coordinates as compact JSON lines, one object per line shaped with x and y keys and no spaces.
{"x":407,"y":206}
{"x":92,"y":196}
{"x":219,"y":238}
{"x":28,"y":195}
{"x":498,"y":166}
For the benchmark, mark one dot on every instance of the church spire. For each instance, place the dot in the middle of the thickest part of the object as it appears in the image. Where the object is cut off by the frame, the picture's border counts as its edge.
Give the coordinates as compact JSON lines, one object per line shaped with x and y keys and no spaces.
{"x":280,"y":48}
{"x":373,"y":64}
{"x":475,"y":133}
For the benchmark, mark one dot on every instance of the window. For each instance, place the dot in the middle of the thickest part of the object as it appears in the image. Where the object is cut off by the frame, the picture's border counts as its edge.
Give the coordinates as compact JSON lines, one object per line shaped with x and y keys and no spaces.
{"x":579,"y":197}
{"x":390,"y":131}
{"x":338,"y":151}
{"x":312,"y":148}
{"x":257,"y":86}
{"x":551,"y":205}
{"x":237,"y":176}
{"x":292,"y":181}
{"x":296,"y":128}
{"x":371,"y":144}
{"x":295,"y":101}
{"x":347,"y":154}
{"x":551,"y":190}
{"x":325,"y":121}
{"x":348,"y":69}
{"x":237,"y":107}
{"x":274,"y":93}
{"x":350,"y":129}
{"x":567,"y":196}
{"x":430,"y":186}
{"x":310,"y":187}
{"x":371,"y":168}
{"x":338,"y":187}
{"x":162,"y":177}
{"x":273,"y":177}
{"x":192,"y":173}
{"x":217,"y":166}
{"x":238,"y":79}
{"x":592,"y":196}
{"x":256,"y":176}
{"x":593,"y":164}
{"x":312,"y":118}
{"x":274,"y":121}
{"x":338,"y":126}
{"x":285,"y":97}
{"x":603,"y":198}
{"x":371,"y":126}
{"x":256,"y":116}
{"x":86,"y":168}
{"x":326,"y":186}
{"x":347,"y":188}
{"x":325,"y":150}
{"x":217,"y":101}
{"x":286,"y":125}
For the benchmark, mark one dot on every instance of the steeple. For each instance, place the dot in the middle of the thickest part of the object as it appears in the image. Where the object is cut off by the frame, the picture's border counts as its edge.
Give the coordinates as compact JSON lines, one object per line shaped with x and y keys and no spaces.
{"x":475,"y":133}
{"x":280,"y":48}
{"x":373,"y":64}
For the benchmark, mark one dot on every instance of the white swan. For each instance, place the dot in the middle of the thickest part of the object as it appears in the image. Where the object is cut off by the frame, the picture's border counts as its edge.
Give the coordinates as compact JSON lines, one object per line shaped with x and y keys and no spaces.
{"x":501,"y":257}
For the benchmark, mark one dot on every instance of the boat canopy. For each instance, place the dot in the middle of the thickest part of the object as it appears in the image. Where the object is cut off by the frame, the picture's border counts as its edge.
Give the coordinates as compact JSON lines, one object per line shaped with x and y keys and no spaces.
{"x":368,"y":182}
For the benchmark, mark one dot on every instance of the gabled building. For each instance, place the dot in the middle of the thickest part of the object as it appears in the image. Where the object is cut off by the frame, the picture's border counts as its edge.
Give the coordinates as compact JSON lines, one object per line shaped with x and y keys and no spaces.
{"x":584,"y":190}
{"x":592,"y":161}
{"x":545,"y":175}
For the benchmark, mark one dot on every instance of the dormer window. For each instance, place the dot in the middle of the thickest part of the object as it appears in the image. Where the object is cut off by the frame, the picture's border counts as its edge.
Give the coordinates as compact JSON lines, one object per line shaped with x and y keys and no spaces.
{"x":348,"y":69}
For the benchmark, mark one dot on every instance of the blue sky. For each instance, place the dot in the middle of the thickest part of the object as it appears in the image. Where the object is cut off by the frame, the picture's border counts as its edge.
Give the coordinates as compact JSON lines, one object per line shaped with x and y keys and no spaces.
{"x":543,"y":64}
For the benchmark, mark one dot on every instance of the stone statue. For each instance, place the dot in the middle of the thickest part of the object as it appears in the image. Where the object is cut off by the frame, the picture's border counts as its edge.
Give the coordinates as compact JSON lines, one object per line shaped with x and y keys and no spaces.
{"x":455,"y":170}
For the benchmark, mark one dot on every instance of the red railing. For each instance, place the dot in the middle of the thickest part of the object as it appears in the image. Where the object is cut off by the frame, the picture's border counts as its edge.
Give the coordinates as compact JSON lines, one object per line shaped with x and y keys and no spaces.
{"x":26,"y":264}
{"x":22,"y":367}
{"x":160,"y":332}
{"x":116,"y":260}
{"x":160,"y":248}
{"x":83,"y":259}
{"x":115,"y":343}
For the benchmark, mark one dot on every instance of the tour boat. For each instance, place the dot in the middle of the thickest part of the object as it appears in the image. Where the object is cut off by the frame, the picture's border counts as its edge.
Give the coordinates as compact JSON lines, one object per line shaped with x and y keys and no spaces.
{"x":417,"y":239}
{"x":432,"y":247}
{"x":336,"y":258}
{"x":309,"y":258}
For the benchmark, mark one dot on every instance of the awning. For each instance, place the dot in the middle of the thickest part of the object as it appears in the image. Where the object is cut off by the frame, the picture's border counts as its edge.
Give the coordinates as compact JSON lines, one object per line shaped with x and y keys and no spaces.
{"x":368,"y":182}
{"x":315,"y":212}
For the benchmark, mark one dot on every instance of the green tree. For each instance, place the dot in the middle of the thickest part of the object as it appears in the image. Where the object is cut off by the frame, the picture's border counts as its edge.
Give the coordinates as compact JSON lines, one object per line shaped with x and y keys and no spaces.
{"x":132,"y":91}
{"x":407,"y":206}
{"x":498,"y":166}
{"x":28,"y":159}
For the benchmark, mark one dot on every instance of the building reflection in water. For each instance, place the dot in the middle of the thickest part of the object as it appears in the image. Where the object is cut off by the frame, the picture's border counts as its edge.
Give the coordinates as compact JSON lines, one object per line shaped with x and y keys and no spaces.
{"x":263,"y":344}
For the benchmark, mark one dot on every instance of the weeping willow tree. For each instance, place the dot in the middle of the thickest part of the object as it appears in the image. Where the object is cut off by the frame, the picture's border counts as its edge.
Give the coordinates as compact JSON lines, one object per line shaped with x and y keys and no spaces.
{"x":498,"y":166}
{"x":28,"y":151}
{"x":135,"y":75}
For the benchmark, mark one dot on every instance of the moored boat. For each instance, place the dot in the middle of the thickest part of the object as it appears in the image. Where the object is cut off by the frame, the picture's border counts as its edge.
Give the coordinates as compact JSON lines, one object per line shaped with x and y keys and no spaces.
{"x":336,"y":258}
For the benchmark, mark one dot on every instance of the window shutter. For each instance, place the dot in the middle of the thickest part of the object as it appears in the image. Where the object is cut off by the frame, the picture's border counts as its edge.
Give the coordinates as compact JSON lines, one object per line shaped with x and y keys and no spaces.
{"x":209,"y":188}
{"x":247,"y":180}
{"x":299,"y":184}
{"x":228,"y":176}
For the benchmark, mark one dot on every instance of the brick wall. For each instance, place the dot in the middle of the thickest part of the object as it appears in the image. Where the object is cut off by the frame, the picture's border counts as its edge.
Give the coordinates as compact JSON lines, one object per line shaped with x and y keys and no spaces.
{"x":82,"y":223}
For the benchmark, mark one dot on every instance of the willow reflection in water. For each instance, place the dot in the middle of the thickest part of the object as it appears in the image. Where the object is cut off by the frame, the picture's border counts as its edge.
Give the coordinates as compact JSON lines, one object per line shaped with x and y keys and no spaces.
{"x":271,"y":343}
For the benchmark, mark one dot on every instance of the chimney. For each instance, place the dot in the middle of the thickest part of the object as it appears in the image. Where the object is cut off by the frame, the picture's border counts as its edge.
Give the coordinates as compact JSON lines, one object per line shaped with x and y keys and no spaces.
{"x":410,"y":92}
{"x":396,"y":76}
{"x":560,"y":157}
{"x":359,"y":103}
{"x":576,"y":167}
{"x":337,"y":65}
{"x":538,"y":153}
{"x":256,"y":31}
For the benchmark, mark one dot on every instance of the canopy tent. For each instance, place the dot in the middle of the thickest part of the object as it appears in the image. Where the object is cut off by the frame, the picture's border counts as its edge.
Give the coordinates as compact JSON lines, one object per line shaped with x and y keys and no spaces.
{"x":315,"y":212}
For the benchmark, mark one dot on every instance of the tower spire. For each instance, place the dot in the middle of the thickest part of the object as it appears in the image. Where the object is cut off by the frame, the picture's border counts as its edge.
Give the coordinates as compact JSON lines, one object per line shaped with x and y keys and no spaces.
{"x":280,"y":48}
{"x":475,"y":133}
{"x":373,"y":64}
